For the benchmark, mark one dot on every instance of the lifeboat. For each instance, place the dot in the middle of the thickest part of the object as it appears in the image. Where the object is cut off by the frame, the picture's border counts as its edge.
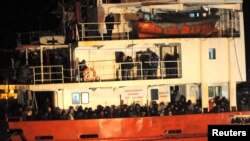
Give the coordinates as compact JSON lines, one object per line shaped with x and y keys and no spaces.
{"x":204,"y":27}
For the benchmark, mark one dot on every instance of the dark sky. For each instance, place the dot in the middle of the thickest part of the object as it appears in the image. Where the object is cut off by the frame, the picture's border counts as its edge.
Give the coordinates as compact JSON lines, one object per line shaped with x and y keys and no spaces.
{"x":24,"y":16}
{"x":33,"y":15}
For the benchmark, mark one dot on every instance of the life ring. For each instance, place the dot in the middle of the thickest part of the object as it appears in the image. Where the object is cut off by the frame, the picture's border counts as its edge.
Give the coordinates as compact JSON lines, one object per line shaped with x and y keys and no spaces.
{"x":89,"y":74}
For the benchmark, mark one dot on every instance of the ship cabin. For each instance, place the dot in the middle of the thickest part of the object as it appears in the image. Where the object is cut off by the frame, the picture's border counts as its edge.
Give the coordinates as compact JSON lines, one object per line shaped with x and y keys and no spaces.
{"x":132,"y":52}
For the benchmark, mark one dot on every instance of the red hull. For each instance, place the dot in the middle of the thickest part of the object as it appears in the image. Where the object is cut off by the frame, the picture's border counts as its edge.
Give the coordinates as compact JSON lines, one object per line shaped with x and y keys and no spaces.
{"x":188,"y":127}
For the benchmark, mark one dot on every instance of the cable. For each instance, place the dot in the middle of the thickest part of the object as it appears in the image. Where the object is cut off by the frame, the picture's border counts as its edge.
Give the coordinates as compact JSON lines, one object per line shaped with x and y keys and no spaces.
{"x":235,"y":51}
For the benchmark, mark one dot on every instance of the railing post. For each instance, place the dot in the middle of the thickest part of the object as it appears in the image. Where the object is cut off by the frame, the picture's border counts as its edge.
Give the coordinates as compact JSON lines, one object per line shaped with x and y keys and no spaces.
{"x":178,"y":68}
{"x":83,"y":31}
{"x":161,"y":69}
{"x":141,"y":70}
{"x":34,"y":75}
{"x":78,"y":70}
{"x":50,"y":74}
{"x":120,"y":70}
{"x":62,"y":73}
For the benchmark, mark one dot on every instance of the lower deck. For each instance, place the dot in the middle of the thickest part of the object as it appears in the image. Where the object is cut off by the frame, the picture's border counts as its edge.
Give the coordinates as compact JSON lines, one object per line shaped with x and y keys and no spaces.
{"x":189,"y":127}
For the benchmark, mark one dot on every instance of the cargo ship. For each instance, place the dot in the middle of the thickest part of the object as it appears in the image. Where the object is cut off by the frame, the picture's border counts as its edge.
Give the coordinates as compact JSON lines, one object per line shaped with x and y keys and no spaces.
{"x":129,"y":70}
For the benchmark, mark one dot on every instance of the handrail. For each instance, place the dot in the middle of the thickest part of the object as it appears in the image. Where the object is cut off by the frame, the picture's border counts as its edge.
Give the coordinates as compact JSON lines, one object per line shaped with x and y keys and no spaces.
{"x":106,"y":71}
{"x":47,"y":73}
{"x":87,"y":31}
{"x":97,"y":31}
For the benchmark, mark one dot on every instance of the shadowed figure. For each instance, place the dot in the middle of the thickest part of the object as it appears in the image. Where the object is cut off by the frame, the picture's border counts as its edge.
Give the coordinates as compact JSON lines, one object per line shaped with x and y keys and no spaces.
{"x":109,"y":21}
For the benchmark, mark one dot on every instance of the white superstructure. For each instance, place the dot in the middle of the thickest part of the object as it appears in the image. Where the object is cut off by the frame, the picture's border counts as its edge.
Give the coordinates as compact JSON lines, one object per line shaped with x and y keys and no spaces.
{"x":205,"y":66}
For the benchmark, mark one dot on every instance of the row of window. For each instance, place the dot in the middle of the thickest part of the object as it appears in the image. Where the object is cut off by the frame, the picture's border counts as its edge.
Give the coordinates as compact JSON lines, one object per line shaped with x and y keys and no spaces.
{"x":80,"y":98}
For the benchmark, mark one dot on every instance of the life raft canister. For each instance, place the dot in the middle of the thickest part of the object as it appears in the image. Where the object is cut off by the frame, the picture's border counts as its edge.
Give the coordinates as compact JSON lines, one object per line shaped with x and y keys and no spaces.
{"x":89,"y":74}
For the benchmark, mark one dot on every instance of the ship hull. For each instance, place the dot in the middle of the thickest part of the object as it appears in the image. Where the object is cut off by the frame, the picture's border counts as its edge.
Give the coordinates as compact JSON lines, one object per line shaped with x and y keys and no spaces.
{"x":172,"y":128}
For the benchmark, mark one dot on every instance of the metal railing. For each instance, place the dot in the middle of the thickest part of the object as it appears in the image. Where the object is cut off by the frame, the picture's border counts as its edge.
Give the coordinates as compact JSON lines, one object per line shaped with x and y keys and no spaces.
{"x":31,"y":37}
{"x":228,"y":26}
{"x":106,"y":71}
{"x":99,"y":31}
{"x":47,"y":74}
{"x":99,"y":71}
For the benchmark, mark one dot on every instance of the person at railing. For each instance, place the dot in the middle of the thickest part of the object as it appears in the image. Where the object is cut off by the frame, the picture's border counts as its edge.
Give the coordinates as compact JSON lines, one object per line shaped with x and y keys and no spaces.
{"x":154,"y":65}
{"x":145,"y":59}
{"x":171,"y":65}
{"x":221,"y":104}
{"x":109,"y":21}
{"x":82,"y":67}
{"x":24,"y":74}
{"x":48,"y":115}
{"x":126,"y":68}
{"x":71,"y":113}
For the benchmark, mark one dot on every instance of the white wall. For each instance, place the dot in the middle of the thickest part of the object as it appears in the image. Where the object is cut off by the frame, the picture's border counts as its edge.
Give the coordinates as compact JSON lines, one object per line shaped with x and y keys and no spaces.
{"x":194,"y":56}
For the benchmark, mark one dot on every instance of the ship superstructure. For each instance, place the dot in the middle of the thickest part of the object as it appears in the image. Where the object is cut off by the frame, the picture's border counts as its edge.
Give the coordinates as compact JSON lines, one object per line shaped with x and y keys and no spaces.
{"x":134,"y":52}
{"x":205,"y":59}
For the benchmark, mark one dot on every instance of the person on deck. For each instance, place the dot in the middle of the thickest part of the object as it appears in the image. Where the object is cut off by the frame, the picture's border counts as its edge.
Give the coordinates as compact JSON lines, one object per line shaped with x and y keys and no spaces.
{"x":109,"y":21}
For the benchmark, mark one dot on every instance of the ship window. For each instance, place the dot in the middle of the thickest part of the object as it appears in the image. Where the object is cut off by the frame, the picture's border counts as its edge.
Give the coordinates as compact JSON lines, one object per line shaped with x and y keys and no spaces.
{"x":76,"y":98}
{"x":85,"y":98}
{"x":204,"y":14}
{"x":154,"y":94}
{"x":197,"y":14}
{"x":212,"y":53}
{"x":191,"y":15}
{"x":214,"y":91}
{"x":147,"y":17}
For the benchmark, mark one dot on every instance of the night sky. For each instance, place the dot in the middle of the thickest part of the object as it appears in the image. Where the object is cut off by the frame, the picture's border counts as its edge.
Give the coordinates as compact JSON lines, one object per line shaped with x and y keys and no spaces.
{"x":23,"y":16}
{"x":35,"y":15}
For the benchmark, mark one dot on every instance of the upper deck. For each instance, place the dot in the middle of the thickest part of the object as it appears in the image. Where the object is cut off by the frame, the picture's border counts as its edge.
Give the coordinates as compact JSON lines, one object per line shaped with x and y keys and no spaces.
{"x":163,"y":26}
{"x":144,"y":19}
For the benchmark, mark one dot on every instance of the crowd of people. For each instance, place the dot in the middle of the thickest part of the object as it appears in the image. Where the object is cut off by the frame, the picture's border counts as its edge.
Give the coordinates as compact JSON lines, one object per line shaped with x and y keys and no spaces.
{"x":121,"y":111}
{"x":177,"y":106}
{"x":148,"y":65}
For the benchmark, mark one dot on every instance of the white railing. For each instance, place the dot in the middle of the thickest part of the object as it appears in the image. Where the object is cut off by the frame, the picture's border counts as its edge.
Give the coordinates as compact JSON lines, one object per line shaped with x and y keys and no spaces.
{"x":86,"y":31}
{"x":48,"y":74}
{"x":106,"y":71}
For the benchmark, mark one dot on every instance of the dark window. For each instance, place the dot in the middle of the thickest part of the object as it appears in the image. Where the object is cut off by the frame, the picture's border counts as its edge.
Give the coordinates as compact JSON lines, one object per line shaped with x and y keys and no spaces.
{"x":212,"y":53}
{"x":154,"y":94}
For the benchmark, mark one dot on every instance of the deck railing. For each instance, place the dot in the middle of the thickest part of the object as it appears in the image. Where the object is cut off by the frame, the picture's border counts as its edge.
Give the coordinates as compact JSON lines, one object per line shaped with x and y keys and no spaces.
{"x":47,"y":74}
{"x":91,"y":31}
{"x":228,"y":26}
{"x":105,"y":71}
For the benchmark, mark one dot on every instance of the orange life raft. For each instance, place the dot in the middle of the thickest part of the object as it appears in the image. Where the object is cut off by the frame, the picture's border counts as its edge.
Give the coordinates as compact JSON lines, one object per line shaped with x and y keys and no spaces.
{"x":89,"y":74}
